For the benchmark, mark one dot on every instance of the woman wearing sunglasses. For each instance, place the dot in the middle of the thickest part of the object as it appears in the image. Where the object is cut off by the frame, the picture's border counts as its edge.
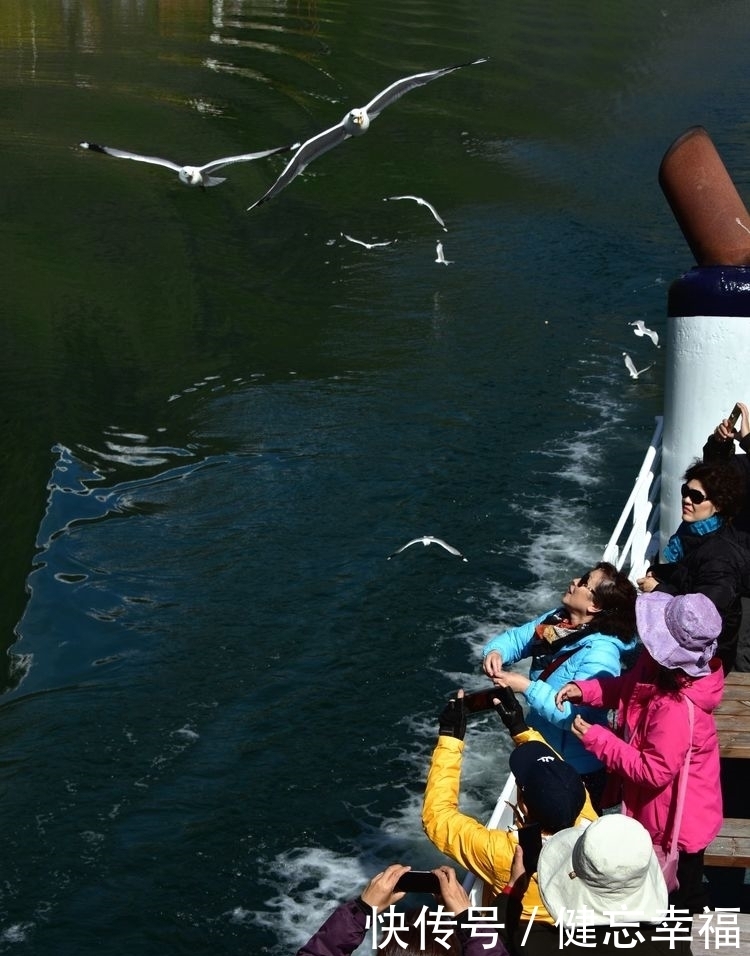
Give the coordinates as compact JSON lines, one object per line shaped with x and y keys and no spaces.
{"x":706,"y":554}
{"x":586,"y":636}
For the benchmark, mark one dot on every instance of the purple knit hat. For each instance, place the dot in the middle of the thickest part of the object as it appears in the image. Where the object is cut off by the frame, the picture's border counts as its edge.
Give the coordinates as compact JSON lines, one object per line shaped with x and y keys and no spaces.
{"x":679,"y":631}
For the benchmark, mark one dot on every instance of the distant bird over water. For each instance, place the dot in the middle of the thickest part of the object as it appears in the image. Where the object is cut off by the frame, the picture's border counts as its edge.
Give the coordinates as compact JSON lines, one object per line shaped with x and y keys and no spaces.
{"x":639,"y":327}
{"x":422,"y":202}
{"x":429,"y":539}
{"x":190,"y":175}
{"x":441,"y":255}
{"x":367,"y":245}
{"x":634,"y":372}
{"x":356,"y":122}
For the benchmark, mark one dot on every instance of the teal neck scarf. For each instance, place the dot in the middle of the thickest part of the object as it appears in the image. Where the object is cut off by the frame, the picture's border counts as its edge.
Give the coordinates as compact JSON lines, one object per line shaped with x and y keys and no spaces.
{"x":674,"y":550}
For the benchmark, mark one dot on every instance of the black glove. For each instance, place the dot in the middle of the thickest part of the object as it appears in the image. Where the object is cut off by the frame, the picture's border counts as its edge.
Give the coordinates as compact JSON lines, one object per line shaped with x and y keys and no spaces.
{"x":453,"y":719}
{"x":510,"y":711}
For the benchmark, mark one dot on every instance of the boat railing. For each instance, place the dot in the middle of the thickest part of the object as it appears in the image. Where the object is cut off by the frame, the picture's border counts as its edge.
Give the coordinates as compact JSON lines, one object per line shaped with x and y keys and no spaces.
{"x":635,"y":539}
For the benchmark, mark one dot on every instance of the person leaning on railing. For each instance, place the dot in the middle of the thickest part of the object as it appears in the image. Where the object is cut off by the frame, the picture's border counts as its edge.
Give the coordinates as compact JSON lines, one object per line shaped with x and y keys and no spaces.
{"x":587,"y":635}
{"x":551,"y":796}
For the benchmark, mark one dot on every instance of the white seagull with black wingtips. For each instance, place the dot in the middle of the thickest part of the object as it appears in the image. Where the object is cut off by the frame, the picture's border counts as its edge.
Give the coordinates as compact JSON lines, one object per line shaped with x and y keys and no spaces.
{"x":356,"y":122}
{"x":422,"y":202}
{"x":190,"y":175}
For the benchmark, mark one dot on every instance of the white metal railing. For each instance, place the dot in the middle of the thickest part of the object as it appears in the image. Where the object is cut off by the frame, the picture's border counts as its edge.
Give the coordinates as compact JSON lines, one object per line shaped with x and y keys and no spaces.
{"x":640,"y":516}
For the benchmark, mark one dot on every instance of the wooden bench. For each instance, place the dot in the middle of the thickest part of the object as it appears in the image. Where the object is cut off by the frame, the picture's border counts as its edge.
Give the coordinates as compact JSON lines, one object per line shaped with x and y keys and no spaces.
{"x":733,"y":717}
{"x":732,"y":846}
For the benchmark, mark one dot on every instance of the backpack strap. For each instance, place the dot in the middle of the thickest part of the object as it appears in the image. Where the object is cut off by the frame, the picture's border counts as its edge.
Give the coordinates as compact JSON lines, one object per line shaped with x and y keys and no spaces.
{"x":553,"y":665}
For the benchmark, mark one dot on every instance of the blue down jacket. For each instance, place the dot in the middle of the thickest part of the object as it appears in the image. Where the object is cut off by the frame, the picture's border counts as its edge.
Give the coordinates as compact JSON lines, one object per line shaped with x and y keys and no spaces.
{"x":596,"y":655}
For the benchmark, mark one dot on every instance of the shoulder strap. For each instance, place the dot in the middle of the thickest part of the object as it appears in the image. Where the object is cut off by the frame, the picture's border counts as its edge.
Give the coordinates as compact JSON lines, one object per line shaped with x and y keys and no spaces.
{"x":683,"y":778}
{"x":553,"y":665}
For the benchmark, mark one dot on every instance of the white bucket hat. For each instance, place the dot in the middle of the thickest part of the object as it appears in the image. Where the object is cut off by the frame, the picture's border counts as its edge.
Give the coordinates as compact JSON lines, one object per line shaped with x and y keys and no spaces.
{"x":610,"y":866}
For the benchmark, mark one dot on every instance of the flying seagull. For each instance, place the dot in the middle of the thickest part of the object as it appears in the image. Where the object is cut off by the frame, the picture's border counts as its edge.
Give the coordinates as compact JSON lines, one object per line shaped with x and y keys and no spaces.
{"x":190,"y":175}
{"x":429,"y":539}
{"x":634,"y":372}
{"x":440,"y":256}
{"x":640,"y":329}
{"x":422,"y":202}
{"x":356,"y":122}
{"x":367,"y":245}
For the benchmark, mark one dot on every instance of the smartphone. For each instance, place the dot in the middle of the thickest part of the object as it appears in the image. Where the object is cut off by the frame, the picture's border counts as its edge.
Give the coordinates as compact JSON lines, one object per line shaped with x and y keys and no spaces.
{"x":418,"y":881}
{"x":530,"y":839}
{"x":733,"y":416}
{"x":482,"y":699}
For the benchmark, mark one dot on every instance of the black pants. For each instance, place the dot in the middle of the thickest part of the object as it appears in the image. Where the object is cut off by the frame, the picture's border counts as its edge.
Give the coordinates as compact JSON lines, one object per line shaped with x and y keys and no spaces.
{"x":594,"y":783}
{"x":726,"y":884}
{"x":692,"y":894}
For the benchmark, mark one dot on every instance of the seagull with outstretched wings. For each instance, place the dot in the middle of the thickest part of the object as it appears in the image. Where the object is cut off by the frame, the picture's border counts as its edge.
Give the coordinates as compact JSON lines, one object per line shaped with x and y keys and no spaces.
{"x":190,"y":175}
{"x":356,"y":122}
{"x":630,"y":366}
{"x":429,"y":539}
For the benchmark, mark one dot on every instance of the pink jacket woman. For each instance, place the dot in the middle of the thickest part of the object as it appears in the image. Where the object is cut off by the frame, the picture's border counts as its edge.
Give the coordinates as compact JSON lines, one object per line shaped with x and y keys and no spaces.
{"x":655,"y":737}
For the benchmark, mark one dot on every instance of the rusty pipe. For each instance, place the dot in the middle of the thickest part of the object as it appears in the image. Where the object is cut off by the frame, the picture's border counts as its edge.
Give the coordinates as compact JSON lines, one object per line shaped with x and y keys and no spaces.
{"x":705,"y":202}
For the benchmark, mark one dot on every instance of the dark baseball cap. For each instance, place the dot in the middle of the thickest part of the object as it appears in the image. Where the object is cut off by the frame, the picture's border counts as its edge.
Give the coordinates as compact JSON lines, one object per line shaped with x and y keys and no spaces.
{"x":552,"y":790}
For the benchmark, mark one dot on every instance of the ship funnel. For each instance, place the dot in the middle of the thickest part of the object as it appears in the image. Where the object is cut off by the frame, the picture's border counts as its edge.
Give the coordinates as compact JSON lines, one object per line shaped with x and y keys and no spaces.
{"x":704,"y":201}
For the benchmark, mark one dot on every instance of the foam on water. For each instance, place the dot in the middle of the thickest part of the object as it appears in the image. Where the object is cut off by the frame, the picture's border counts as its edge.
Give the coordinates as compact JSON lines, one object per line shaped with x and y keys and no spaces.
{"x":307,"y":882}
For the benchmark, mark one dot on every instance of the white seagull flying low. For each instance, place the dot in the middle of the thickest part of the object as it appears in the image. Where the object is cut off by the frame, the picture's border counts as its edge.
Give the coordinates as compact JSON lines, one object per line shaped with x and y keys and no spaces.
{"x":422,"y":202}
{"x":429,"y":539}
{"x":639,"y":327}
{"x":190,"y":175}
{"x":356,"y":122}
{"x":630,"y":366}
{"x":367,"y":245}
{"x":441,"y":255}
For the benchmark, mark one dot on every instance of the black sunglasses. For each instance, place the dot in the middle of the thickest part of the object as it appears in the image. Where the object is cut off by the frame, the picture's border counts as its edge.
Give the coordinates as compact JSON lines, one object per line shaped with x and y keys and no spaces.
{"x":697,"y":497}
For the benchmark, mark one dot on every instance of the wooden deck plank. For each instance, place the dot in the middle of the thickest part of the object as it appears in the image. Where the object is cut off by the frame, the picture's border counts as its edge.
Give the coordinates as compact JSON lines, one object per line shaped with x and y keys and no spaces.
{"x":734,"y":730}
{"x":734,"y":707}
{"x":732,"y":846}
{"x":735,"y":744}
